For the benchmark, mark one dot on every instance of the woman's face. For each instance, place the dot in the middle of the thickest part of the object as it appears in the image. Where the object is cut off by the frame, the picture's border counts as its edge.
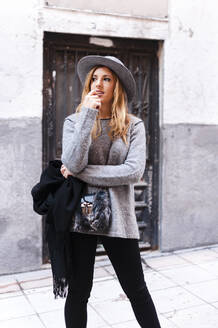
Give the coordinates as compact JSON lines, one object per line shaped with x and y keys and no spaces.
{"x":103,"y":83}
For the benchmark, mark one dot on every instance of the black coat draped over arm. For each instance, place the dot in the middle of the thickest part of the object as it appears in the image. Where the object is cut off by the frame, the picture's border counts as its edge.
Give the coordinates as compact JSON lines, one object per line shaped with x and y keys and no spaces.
{"x":57,"y":198}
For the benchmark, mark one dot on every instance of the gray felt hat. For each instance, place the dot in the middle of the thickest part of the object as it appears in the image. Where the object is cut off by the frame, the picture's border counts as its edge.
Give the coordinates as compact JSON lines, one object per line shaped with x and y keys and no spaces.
{"x":88,"y":62}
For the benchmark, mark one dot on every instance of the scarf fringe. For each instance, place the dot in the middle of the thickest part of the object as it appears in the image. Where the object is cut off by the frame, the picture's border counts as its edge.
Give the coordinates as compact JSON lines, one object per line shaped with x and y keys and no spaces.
{"x":60,"y":287}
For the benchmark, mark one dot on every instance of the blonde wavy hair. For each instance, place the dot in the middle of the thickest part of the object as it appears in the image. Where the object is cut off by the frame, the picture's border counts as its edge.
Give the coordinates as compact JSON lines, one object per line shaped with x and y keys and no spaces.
{"x":120,"y":118}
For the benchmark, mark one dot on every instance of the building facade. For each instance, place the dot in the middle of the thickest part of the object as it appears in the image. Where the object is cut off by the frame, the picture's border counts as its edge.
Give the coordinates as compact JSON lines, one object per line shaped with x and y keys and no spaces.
{"x":175,"y":44}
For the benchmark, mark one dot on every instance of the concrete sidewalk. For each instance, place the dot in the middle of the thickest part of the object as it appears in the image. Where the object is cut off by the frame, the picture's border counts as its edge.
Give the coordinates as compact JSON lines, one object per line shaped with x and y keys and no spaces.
{"x":183,"y":285}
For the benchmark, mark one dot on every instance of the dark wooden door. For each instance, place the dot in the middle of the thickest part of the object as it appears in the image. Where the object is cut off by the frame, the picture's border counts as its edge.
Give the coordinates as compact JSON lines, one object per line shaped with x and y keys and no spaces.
{"x":62,"y":91}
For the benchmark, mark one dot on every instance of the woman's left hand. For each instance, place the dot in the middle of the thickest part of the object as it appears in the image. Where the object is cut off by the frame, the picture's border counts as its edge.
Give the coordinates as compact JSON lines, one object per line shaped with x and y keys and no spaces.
{"x":64,"y":171}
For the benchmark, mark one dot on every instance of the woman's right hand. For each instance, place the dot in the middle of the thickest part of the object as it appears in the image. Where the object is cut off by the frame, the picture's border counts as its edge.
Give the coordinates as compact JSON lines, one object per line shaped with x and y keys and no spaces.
{"x":64,"y":171}
{"x":92,"y":100}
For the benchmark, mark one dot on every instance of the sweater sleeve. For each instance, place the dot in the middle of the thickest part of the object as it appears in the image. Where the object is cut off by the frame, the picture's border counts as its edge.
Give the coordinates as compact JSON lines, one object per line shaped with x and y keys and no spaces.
{"x":77,"y":140}
{"x":131,"y":171}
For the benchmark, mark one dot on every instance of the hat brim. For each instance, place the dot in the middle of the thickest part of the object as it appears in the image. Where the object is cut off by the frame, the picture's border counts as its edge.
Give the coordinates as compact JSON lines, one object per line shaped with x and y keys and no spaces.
{"x":88,"y":62}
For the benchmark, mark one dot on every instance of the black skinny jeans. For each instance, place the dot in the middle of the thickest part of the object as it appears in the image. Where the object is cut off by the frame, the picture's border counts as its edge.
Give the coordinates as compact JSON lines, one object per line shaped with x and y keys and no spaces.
{"x":124,"y":255}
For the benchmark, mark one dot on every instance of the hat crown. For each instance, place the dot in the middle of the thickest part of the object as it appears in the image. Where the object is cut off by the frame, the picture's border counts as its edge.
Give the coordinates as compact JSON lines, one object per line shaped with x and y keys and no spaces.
{"x":114,"y":59}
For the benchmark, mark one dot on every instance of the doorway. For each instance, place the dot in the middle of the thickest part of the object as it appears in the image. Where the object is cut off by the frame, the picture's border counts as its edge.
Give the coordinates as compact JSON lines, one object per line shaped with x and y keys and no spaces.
{"x":61,"y":95}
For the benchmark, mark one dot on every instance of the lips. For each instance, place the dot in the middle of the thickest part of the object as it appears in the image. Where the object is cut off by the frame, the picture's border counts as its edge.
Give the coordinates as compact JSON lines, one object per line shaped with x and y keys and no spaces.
{"x":99,"y":92}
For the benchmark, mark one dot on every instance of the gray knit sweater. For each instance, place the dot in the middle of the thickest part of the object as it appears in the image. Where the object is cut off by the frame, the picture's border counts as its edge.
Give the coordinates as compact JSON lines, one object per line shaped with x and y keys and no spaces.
{"x":86,"y":160}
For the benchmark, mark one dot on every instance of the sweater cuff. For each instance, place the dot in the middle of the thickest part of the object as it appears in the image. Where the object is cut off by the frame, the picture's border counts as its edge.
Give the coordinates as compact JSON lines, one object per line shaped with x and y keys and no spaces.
{"x":89,"y":112}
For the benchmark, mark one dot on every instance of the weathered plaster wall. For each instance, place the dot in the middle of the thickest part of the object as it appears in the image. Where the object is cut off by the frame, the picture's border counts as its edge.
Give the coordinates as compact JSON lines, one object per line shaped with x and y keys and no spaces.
{"x":190,"y":186}
{"x":20,"y":135}
{"x":189,"y":127}
{"x":97,"y":24}
{"x":20,"y":227}
{"x":191,"y":63}
{"x":149,"y":8}
{"x":21,"y":60}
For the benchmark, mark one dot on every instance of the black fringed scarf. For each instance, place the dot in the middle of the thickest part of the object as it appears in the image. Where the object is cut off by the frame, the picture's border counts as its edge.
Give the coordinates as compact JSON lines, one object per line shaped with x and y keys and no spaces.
{"x":58,"y":198}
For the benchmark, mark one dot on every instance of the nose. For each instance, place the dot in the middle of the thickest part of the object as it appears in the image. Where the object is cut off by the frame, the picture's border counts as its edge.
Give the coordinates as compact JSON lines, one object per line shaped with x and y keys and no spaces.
{"x":98,"y":82}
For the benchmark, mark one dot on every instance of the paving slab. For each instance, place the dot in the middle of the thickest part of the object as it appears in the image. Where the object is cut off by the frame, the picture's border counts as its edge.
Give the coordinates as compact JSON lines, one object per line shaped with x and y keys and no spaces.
{"x":53,"y":319}
{"x":155,"y":280}
{"x":32,"y":321}
{"x":166,"y":323}
{"x":42,"y":300}
{"x":11,"y":294}
{"x":31,"y":275}
{"x":9,"y":288}
{"x":110,"y":270}
{"x":95,"y":319}
{"x":207,"y":291}
{"x":8,"y":284}
{"x":203,"y":316}
{"x":188,"y":275}
{"x":211,"y":267}
{"x":174,"y":298}
{"x":127,"y":324}
{"x":15,"y":307}
{"x":215,"y":304}
{"x":36,"y":283}
{"x":100,"y":272}
{"x":214,"y":248}
{"x":200,"y":256}
{"x":115,"y":311}
{"x":106,"y":290}
{"x":169,"y":261}
{"x":6,"y":279}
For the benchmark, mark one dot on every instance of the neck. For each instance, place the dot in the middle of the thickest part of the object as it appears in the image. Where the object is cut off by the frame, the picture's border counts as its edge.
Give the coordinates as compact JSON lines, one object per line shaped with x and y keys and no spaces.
{"x":105,"y":111}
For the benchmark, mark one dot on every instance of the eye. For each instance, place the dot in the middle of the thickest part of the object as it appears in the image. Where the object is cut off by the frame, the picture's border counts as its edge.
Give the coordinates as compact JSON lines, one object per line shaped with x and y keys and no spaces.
{"x":107,"y":79}
{"x":93,"y":79}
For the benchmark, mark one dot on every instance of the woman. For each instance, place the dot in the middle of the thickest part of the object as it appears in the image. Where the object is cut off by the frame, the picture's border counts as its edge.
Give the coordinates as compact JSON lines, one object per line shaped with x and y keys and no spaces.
{"x":105,"y":146}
